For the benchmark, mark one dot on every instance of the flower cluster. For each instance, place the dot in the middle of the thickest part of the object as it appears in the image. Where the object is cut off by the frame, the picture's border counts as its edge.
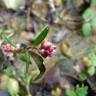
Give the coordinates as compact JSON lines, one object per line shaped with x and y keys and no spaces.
{"x":47,"y":49}
{"x":8,"y":48}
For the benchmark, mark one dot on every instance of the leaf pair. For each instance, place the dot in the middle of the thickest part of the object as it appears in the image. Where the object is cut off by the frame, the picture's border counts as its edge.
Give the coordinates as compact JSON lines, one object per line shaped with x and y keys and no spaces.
{"x":36,"y":57}
{"x":90,"y":22}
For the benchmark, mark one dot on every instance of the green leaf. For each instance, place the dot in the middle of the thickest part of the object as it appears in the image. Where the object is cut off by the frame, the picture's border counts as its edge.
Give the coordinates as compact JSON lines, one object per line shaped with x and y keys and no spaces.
{"x":86,"y":29}
{"x":93,"y":2}
{"x":82,"y":76}
{"x":70,"y":93}
{"x":24,"y":56}
{"x":10,"y":71}
{"x":41,"y":36}
{"x":94,"y":23}
{"x":39,"y":61}
{"x":91,"y":71}
{"x":7,"y":40}
{"x":1,"y":31}
{"x":12,"y":87}
{"x":88,"y":14}
{"x":81,"y":91}
{"x":92,"y":58}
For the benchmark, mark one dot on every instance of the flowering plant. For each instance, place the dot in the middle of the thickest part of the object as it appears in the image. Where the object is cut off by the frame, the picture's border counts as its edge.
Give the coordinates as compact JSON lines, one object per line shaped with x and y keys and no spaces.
{"x":20,"y":59}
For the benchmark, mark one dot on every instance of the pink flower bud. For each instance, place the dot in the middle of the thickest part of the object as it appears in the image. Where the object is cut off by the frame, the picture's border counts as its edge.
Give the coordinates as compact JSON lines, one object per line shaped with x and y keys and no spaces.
{"x":52,"y":53}
{"x":17,"y":47}
{"x":42,"y":51}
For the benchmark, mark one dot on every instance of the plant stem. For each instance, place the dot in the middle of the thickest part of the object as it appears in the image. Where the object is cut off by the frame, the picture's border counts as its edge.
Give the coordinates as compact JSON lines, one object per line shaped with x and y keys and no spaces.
{"x":28,"y":91}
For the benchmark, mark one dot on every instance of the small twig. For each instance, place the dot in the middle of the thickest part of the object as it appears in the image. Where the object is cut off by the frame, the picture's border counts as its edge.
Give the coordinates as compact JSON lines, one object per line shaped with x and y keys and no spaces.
{"x":71,"y":76}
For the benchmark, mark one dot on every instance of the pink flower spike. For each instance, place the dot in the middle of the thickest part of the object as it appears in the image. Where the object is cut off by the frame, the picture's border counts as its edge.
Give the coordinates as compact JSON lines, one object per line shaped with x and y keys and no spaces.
{"x":6,"y":48}
{"x":47,"y":49}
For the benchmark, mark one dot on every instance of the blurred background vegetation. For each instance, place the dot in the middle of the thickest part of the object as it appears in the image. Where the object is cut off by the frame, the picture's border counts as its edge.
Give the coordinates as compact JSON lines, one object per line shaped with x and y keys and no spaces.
{"x":72,"y":28}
